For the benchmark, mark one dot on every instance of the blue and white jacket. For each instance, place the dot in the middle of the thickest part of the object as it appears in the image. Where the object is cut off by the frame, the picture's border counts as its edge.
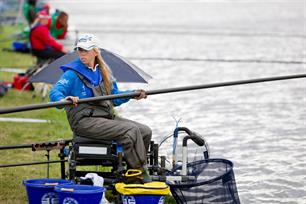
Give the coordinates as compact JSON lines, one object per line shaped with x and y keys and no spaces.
{"x":71,"y":85}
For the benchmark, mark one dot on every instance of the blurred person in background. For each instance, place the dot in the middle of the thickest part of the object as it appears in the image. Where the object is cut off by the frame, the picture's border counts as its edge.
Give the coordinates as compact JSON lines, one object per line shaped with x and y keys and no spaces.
{"x":43,"y":45}
{"x":59,"y":24}
{"x":30,"y":11}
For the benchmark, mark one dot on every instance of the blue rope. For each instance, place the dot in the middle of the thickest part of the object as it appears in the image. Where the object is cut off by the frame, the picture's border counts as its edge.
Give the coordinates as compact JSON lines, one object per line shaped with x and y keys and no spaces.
{"x":174,"y":137}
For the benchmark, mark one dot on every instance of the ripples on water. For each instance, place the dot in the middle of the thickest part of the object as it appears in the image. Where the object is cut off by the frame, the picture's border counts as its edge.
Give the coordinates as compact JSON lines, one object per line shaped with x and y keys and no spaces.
{"x":260,"y":127}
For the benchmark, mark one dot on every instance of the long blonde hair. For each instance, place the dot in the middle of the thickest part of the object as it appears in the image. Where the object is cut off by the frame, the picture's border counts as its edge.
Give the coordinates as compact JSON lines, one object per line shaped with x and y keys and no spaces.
{"x":105,"y":72}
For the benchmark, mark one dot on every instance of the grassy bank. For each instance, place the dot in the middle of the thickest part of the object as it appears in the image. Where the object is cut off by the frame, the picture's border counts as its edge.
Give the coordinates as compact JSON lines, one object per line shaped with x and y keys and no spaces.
{"x":11,"y":133}
{"x":13,"y":59}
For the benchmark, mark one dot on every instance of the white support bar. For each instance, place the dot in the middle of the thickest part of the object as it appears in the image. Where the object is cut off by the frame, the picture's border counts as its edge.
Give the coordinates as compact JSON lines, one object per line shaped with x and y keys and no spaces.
{"x":93,"y":150}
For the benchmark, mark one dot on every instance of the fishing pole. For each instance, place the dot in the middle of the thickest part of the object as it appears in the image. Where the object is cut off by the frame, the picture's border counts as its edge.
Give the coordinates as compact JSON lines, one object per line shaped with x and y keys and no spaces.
{"x":150,"y":92}
{"x":217,"y":60}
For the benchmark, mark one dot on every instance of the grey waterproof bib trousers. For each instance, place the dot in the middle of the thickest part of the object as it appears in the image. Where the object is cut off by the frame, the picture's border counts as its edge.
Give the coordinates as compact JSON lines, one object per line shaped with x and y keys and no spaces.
{"x":97,"y":121}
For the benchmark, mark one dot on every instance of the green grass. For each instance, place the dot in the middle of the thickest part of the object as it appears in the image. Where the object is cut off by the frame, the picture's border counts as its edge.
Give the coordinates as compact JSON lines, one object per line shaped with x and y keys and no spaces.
{"x":6,"y":76}
{"x":11,"y":133}
{"x":12,"y":59}
{"x":27,"y":133}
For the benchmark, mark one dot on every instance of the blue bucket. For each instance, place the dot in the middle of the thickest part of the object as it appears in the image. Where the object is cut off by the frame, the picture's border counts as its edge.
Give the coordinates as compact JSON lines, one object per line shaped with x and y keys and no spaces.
{"x":143,"y":199}
{"x":79,"y":194}
{"x":42,"y":190}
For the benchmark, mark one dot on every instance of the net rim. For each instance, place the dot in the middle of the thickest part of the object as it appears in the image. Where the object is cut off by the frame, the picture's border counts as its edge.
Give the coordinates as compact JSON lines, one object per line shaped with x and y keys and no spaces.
{"x":204,"y":182}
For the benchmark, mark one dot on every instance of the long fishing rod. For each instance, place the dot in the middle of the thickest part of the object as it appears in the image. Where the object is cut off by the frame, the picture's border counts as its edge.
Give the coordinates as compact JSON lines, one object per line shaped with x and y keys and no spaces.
{"x":152,"y":92}
{"x":217,"y":60}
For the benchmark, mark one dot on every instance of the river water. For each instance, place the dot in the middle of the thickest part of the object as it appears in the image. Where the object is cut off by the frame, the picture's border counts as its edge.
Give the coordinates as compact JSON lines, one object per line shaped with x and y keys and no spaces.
{"x":261,"y":128}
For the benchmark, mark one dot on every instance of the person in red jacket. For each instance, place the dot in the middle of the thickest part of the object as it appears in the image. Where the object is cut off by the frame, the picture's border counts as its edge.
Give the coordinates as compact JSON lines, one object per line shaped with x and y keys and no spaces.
{"x":43,"y":45}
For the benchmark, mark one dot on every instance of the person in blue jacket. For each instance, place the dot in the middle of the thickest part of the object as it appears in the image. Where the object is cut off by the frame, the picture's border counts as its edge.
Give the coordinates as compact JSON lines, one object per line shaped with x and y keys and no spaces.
{"x":88,"y":76}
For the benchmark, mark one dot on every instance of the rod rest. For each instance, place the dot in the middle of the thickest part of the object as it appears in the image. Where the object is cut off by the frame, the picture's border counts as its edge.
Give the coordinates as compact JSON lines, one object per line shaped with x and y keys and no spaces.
{"x":60,"y":144}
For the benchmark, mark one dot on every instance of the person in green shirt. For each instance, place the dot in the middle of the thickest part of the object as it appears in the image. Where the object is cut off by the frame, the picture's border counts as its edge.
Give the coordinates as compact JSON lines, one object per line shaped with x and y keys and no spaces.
{"x":59,"y":25}
{"x":29,"y":11}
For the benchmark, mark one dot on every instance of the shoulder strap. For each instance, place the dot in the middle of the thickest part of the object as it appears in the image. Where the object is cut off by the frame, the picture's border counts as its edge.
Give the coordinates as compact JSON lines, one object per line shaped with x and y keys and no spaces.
{"x":98,"y":91}
{"x":84,"y":80}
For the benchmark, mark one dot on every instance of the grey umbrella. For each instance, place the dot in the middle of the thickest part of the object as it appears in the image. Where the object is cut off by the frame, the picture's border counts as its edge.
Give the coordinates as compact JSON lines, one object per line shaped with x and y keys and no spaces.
{"x":122,"y":69}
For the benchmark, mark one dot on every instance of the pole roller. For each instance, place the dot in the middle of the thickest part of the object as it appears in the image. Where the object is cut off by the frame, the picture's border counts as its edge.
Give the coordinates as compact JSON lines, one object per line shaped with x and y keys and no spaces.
{"x":150,"y":92}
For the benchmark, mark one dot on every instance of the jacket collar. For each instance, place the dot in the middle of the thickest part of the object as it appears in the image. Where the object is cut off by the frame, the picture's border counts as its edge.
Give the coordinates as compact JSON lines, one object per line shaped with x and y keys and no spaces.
{"x":91,"y":76}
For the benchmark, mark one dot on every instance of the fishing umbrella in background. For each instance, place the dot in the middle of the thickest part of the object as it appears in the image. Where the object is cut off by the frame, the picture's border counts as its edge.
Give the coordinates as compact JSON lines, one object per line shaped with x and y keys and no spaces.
{"x":122,"y":69}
